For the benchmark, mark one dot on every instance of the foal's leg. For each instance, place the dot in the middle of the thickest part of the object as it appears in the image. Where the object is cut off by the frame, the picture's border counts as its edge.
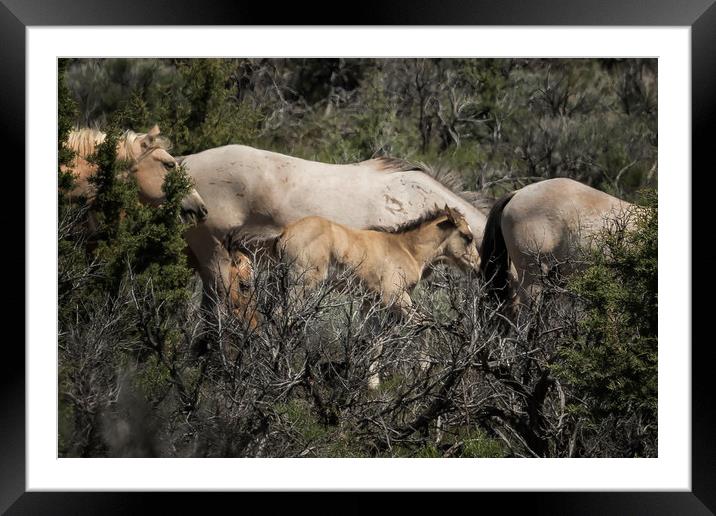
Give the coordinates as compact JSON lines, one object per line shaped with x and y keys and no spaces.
{"x":215,"y":277}
{"x":402,"y":306}
{"x":374,"y":353}
{"x":405,"y":306}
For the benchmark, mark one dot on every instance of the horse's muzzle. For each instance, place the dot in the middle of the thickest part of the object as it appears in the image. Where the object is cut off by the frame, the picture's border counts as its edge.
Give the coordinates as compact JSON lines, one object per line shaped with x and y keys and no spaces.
{"x":193,"y":207}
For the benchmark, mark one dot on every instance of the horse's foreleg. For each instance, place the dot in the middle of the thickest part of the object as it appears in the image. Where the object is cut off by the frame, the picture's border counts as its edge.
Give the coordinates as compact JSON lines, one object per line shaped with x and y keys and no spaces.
{"x":212,"y":262}
{"x":375,"y":348}
{"x":403,"y":304}
{"x":305,"y":278}
{"x":215,"y":278}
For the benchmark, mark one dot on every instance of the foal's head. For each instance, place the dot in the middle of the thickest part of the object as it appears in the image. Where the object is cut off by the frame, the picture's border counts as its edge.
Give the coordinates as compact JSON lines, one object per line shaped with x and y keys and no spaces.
{"x":241,"y":270}
{"x":241,"y":281}
{"x":459,"y":246}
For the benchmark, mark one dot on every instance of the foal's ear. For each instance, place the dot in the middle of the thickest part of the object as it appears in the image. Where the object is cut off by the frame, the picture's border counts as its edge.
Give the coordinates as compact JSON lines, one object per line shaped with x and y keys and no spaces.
{"x":448,"y":223}
{"x":453,"y":214}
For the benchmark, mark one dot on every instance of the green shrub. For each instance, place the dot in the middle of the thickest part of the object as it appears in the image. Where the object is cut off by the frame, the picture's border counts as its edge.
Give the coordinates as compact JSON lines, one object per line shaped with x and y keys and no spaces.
{"x":133,"y":237}
{"x":612,"y":363}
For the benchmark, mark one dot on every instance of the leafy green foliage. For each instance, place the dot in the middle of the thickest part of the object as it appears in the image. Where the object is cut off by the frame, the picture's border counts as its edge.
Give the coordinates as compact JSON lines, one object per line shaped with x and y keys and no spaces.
{"x":66,"y":114}
{"x":73,"y":265}
{"x":612,"y":364}
{"x":199,"y":108}
{"x":126,"y":242}
{"x":145,"y":240}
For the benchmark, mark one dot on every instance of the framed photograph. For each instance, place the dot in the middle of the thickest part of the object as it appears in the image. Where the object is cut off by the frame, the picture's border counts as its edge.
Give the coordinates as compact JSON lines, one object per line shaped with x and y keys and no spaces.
{"x":420,"y":249}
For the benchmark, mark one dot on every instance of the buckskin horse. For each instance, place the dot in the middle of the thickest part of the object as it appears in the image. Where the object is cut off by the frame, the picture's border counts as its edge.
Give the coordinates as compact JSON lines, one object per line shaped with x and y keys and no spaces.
{"x":389,"y":261}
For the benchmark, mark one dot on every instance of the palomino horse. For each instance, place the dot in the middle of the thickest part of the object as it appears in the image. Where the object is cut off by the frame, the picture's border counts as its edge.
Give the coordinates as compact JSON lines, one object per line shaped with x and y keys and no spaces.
{"x":389,"y":261}
{"x":148,"y":161}
{"x":259,"y":192}
{"x":539,"y":226}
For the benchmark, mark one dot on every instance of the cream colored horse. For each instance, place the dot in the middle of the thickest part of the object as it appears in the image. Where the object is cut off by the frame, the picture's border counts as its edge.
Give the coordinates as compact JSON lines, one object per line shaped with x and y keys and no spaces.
{"x":541,"y":226}
{"x":389,"y":262}
{"x":260,"y":192}
{"x":149,"y":161}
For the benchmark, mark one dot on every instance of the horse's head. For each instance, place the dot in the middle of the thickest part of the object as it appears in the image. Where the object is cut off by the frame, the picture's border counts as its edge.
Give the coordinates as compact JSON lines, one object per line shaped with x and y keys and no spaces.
{"x":459,"y":246}
{"x":150,"y":162}
{"x":241,"y":270}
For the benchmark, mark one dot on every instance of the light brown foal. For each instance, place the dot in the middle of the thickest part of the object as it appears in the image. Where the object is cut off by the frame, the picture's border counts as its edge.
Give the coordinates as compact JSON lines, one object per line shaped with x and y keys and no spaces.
{"x":241,"y":274}
{"x":388,"y":261}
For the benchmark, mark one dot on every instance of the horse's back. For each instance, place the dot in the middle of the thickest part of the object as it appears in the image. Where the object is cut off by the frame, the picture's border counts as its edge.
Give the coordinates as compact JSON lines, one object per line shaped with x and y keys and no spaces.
{"x":228,"y":156}
{"x":550,"y":216}
{"x":562,"y":193}
{"x":560,"y":201}
{"x":289,"y":188}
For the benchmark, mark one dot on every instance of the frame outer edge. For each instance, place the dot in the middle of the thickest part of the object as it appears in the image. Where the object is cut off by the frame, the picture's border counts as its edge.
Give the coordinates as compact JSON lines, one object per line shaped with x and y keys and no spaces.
{"x":703,"y":113}
{"x":368,"y":12}
{"x":12,"y":105}
{"x":12,"y":365}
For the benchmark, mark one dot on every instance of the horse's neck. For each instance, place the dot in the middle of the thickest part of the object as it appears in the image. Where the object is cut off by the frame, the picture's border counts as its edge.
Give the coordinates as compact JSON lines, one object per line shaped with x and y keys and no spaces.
{"x":425,"y":243}
{"x":81,"y":169}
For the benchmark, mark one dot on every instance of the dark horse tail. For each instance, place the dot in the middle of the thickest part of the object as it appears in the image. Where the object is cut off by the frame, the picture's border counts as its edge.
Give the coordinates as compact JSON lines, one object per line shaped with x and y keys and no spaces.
{"x":494,"y":260}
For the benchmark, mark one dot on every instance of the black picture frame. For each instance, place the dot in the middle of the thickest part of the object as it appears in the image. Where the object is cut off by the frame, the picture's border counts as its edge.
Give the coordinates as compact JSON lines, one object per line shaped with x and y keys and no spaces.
{"x":700,"y":15}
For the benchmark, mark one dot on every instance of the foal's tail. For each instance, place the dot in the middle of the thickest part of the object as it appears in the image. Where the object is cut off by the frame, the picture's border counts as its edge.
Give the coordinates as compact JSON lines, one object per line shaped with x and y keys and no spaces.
{"x":495,"y":261}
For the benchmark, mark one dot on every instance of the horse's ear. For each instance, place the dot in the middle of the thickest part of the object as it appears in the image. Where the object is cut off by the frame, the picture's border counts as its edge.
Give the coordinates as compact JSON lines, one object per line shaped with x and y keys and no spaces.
{"x":150,"y":137}
{"x":146,"y":142}
{"x":451,"y":213}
